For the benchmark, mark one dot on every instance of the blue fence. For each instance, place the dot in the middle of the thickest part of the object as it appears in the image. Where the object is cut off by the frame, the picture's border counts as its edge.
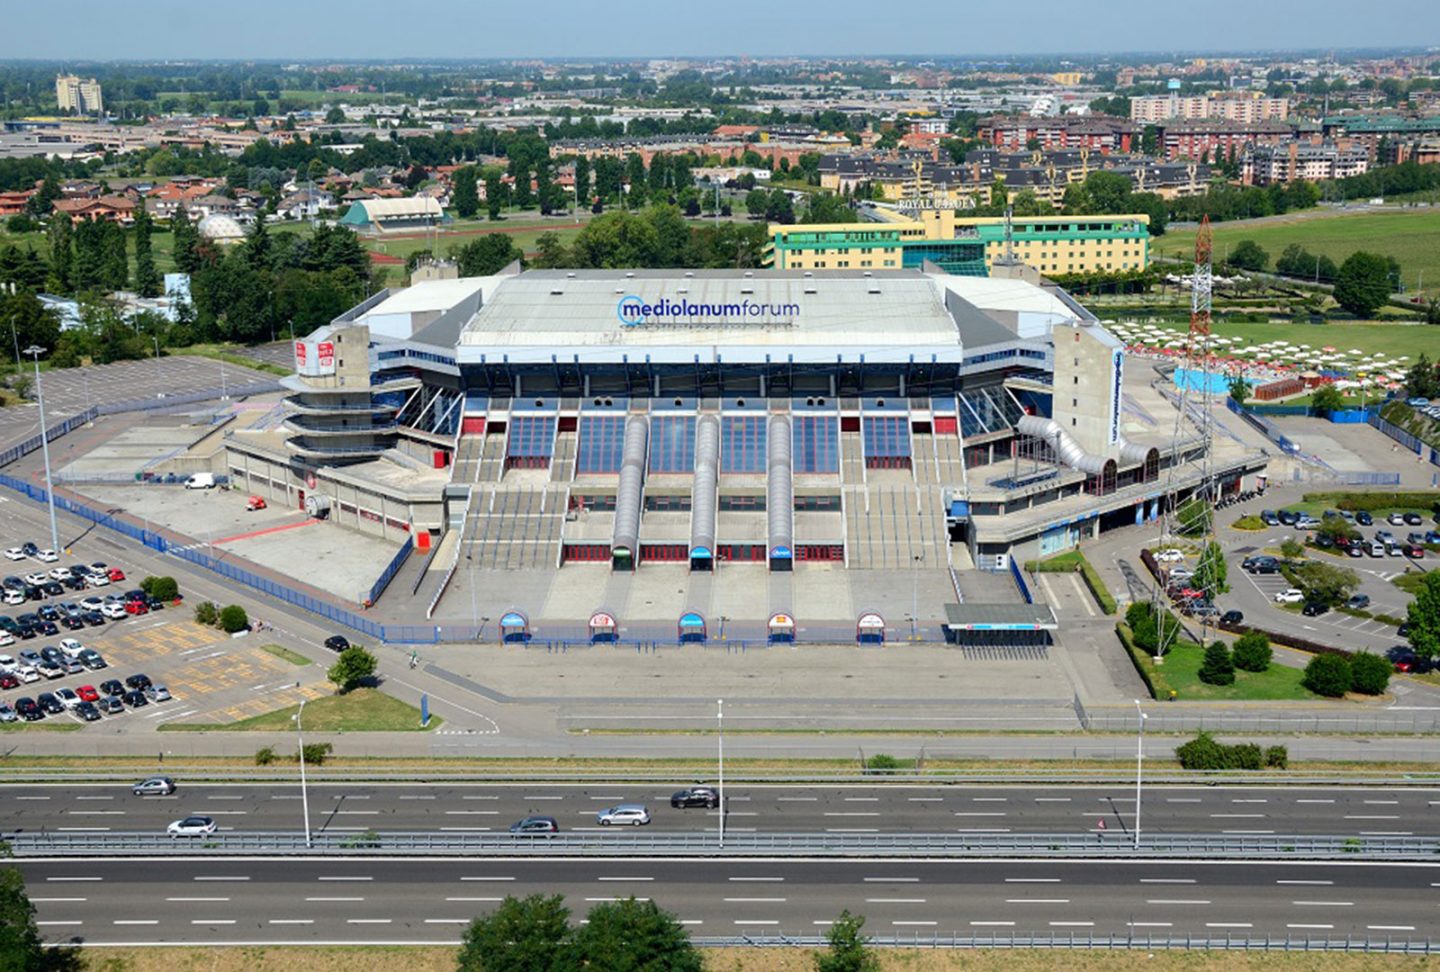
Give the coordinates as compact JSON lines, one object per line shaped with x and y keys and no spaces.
{"x":391,"y":569}
{"x":55,"y":431}
{"x":1020,"y":584}
{"x":1412,"y":442}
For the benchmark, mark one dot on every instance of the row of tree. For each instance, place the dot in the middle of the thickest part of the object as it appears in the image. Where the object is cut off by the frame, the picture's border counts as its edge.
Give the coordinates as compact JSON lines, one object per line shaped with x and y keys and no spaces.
{"x":1362,"y":284}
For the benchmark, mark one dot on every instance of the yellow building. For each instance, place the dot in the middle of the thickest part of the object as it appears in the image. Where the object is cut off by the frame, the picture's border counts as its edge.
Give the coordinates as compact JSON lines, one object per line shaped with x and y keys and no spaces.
{"x":969,"y":246}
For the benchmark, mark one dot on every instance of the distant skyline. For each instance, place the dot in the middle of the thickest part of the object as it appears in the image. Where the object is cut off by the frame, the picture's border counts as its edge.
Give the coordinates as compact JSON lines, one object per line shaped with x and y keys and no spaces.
{"x":381,"y":29}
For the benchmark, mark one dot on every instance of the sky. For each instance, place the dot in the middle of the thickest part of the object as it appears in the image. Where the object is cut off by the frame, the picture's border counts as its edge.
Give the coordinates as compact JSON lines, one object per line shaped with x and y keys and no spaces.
{"x":385,"y":29}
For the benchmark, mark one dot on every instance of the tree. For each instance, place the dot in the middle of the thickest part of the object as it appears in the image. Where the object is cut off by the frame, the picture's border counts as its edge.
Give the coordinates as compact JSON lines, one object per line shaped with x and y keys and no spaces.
{"x":755,"y":202}
{"x":550,"y":252}
{"x":233,"y":619}
{"x":20,"y":947}
{"x":1423,"y":378}
{"x":494,"y":194}
{"x":633,"y":936}
{"x":255,"y":250}
{"x":779,"y":208}
{"x":848,"y":951}
{"x":1252,"y":652}
{"x":1327,"y":675}
{"x":826,"y":207}
{"x":206,"y":613}
{"x":1291,"y":549}
{"x":465,"y":199}
{"x":1239,"y":389}
{"x":1247,"y":255}
{"x":522,"y":935}
{"x":1327,"y":399}
{"x":115,"y":257}
{"x":1369,"y":673}
{"x":1363,"y":284}
{"x":486,"y":254}
{"x":187,"y":242}
{"x":62,"y":255}
{"x":582,"y":180}
{"x":147,"y":278}
{"x":1324,"y":583}
{"x":1218,"y":668}
{"x":1211,"y":572}
{"x":354,"y":667}
{"x":1423,"y":616}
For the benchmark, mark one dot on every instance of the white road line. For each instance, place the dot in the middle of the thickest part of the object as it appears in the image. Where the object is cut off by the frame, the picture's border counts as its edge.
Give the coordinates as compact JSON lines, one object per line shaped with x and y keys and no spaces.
{"x":1237,"y":816}
{"x":851,"y":813}
{"x":1285,"y":881}
{"x":422,"y":797}
{"x":1228,"y":924}
{"x":755,"y":922}
{"x":1176,"y":901}
{"x":613,"y":899}
{"x":479,"y":798}
{"x":1323,"y":904}
{"x":55,"y":900}
{"x":1386,"y":803}
{"x":894,"y":900}
{"x":1151,"y":924}
{"x":487,"y":877}
{"x":778,"y":799}
{"x":291,"y":921}
{"x":551,"y":797}
{"x":459,"y":813}
{"x":342,"y":877}
{"x":1032,"y":880}
{"x":980,"y":813}
{"x":1390,"y":927}
{"x":218,"y":877}
{"x":862,"y":799}
{"x":197,"y":899}
{"x":625,"y":878}
{"x":367,"y":921}
{"x":1167,"y":880}
{"x":925,"y":799}
{"x":1052,"y":799}
{"x":890,"y":880}
{"x":1313,"y":927}
{"x":475,"y":899}
{"x":1361,"y":816}
{"x":990,"y":799}
{"x":1183,"y":800}
{"x":691,"y":921}
{"x":32,"y":798}
{"x":42,"y":924}
{"x":99,"y":798}
{"x":923,"y":924}
{"x":74,"y":879}
{"x":993,"y":924}
{"x":761,"y":879}
{"x":1037,"y":900}
{"x":334,"y":899}
{"x":852,"y":830}
{"x":447,"y":921}
{"x":212,"y":921}
{"x":136,"y":921}
{"x":752,"y":900}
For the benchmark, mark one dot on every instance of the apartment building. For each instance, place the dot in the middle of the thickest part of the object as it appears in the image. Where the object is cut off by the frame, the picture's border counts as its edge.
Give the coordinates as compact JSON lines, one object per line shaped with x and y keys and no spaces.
{"x":1244,"y":107}
{"x":81,"y":96}
{"x":1264,"y":165}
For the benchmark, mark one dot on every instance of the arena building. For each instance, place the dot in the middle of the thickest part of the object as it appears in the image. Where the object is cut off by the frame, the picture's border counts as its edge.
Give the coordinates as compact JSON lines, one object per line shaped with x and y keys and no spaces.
{"x":598,"y":425}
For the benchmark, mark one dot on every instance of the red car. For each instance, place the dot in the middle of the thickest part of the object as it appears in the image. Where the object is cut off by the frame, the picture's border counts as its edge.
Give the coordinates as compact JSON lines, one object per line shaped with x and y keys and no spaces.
{"x":115,"y":574}
{"x":136,"y":607}
{"x":8,"y":680}
{"x":87,"y":693}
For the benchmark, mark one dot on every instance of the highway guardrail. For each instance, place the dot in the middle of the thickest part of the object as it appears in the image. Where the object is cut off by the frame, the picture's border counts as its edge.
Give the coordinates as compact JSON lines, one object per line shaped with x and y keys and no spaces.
{"x":1392,"y":945}
{"x":633,"y":842}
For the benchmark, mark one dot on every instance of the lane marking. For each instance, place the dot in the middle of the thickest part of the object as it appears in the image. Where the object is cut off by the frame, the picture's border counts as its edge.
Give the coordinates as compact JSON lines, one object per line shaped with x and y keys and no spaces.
{"x":1037,"y":900}
{"x":923,"y":924}
{"x":993,"y":924}
{"x":1323,"y":904}
{"x":761,"y":879}
{"x":890,"y":880}
{"x":1228,"y":924}
{"x":625,"y":878}
{"x":1313,"y":927}
{"x":752,"y":900}
{"x":197,"y":899}
{"x":220,"y":877}
{"x":367,"y":921}
{"x":1072,"y":924}
{"x":475,"y":899}
{"x":136,"y":921}
{"x":1176,"y":901}
{"x":55,"y":900}
{"x":292,"y":921}
{"x":74,"y":879}
{"x":447,"y":921}
{"x":212,"y":921}
{"x":1390,"y":927}
{"x":1167,"y":880}
{"x":1032,"y":880}
{"x":334,"y":899}
{"x":894,"y":900}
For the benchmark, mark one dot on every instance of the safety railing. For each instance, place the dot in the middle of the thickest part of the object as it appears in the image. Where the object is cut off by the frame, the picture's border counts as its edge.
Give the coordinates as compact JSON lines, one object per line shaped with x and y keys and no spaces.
{"x":633,"y":841}
{"x":52,"y":433}
{"x":391,"y":569}
{"x":1363,"y":944}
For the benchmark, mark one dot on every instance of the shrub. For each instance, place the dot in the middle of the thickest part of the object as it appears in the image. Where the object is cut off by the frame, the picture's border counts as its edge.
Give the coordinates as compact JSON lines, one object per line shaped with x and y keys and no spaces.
{"x":233,"y":619}
{"x":1252,"y":652}
{"x":266,"y":756}
{"x":882,"y":763}
{"x":1204,"y":753}
{"x":207,"y":613}
{"x":315,"y":753}
{"x":163,"y":588}
{"x":353,"y":668}
{"x":1137,"y":612}
{"x":1277,"y":757}
{"x":1217,"y":668}
{"x":1327,"y":675}
{"x":1369,"y":673}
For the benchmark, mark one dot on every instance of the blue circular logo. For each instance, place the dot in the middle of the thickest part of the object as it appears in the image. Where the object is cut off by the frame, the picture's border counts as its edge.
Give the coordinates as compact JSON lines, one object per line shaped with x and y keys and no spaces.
{"x":630,"y":310}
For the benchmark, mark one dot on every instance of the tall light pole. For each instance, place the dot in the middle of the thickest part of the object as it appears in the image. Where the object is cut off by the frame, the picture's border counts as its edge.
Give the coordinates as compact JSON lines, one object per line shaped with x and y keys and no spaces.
{"x":304,"y":793}
{"x":35,"y":351}
{"x":720,"y":734}
{"x":1139,"y":761}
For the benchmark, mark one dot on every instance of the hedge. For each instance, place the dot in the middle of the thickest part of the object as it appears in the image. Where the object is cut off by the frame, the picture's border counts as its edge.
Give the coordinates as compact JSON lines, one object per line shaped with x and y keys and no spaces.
{"x":1204,"y":753}
{"x":1288,"y":640}
{"x":1138,"y":656}
{"x":1071,"y":562}
{"x":1374,"y":501}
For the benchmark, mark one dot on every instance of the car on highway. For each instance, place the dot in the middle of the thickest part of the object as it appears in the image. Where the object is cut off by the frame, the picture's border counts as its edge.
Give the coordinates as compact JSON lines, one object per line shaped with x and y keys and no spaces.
{"x":154,"y":786}
{"x":1291,"y":595}
{"x":196,"y":826}
{"x":706,"y":797}
{"x":1313,"y":609}
{"x":337,"y":642}
{"x":535,"y":825}
{"x":632,"y":814}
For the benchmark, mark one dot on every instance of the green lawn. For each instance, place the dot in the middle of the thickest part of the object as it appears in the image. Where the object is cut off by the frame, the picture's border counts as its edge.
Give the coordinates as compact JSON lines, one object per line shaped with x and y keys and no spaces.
{"x":293,"y":657}
{"x":1410,"y":236}
{"x":1388,"y":339}
{"x":1180,"y":671}
{"x":363,"y":710}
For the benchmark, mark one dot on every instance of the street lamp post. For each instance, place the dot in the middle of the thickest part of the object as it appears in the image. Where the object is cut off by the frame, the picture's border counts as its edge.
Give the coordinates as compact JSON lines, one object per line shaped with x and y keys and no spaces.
{"x":1139,"y":761}
{"x":720,"y":735}
{"x":304,"y":793}
{"x":158,"y":373}
{"x":35,"y":351}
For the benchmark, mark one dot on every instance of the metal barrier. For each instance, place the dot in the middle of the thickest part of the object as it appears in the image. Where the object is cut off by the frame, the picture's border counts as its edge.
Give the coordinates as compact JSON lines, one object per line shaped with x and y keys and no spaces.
{"x":55,"y":431}
{"x":391,"y":569}
{"x":670,"y":844}
{"x":239,"y":390}
{"x":1020,"y":584}
{"x":1070,"y":940}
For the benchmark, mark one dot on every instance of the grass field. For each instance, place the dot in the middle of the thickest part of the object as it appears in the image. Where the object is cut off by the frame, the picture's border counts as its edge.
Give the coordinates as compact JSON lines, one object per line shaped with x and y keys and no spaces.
{"x":383,"y":958}
{"x":293,"y":657}
{"x":1389,"y":339}
{"x":1181,"y":672}
{"x":1410,"y":236}
{"x":363,"y":710}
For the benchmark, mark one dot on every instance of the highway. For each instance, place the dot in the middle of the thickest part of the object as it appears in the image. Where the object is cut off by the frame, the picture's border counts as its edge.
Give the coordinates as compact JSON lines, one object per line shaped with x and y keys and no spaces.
{"x":1048,"y":808}
{"x":406,"y":900}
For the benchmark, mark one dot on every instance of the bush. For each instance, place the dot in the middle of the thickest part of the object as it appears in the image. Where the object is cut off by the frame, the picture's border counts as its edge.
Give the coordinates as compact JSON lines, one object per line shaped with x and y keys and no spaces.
{"x":1277,"y":757}
{"x":164,"y":589}
{"x":1137,"y":612}
{"x":233,"y":619}
{"x":1252,"y":652}
{"x":353,"y":668}
{"x":266,"y":756}
{"x":1217,"y":668}
{"x":207,"y":613}
{"x":1204,"y":753}
{"x":315,"y":753}
{"x":1369,"y":673}
{"x":882,"y":763}
{"x":1327,"y":675}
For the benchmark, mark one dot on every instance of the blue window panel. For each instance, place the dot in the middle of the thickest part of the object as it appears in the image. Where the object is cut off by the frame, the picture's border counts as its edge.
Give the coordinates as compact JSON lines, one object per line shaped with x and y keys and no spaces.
{"x":531,"y":436}
{"x":672,"y":444}
{"x":742,"y":445}
{"x":602,"y":444}
{"x":887,"y":436}
{"x":814,"y":444}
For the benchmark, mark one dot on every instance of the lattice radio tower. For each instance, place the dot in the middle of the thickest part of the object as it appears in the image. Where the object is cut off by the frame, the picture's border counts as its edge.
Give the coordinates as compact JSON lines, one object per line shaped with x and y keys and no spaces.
{"x":1189,"y":524}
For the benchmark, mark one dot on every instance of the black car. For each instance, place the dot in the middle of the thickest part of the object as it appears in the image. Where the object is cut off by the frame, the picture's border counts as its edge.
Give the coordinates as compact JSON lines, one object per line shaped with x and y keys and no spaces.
{"x":80,"y":571}
{"x":53,"y":588}
{"x":1324,"y":541}
{"x":71,"y":623}
{"x":1232,"y":617}
{"x":8,"y":623}
{"x":1314,"y":609}
{"x":13,"y":583}
{"x":339,"y":643}
{"x":26,"y":632}
{"x":535,"y":825}
{"x":94,"y":619}
{"x":112,"y":687}
{"x":31,"y":620}
{"x":48,"y":702}
{"x":91,"y":659}
{"x":48,"y":612}
{"x":696,"y":796}
{"x":1413,"y":519}
{"x":88,"y":712}
{"x":29,"y":549}
{"x":139,"y":682}
{"x":111,"y":705}
{"x":73,"y":583}
{"x":48,"y":628}
{"x":51,"y":653}
{"x":28,"y":709}
{"x":1363,"y":518}
{"x":1404,"y":630}
{"x":1288,"y":517}
{"x":154,"y":604}
{"x":135,"y":700}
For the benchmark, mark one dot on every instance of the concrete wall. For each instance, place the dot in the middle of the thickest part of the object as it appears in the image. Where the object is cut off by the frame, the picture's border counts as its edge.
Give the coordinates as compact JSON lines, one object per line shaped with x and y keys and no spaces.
{"x":1087,"y":389}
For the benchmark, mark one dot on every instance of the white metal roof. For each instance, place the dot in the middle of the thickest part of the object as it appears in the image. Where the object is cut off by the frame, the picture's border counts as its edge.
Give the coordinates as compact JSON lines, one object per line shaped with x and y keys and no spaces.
{"x":428,"y":295}
{"x":405,"y":208}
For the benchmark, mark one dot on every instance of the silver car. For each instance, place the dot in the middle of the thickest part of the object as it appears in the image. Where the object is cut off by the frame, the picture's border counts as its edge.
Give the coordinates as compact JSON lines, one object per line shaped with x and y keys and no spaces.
{"x":154,"y":786}
{"x":626,"y":813}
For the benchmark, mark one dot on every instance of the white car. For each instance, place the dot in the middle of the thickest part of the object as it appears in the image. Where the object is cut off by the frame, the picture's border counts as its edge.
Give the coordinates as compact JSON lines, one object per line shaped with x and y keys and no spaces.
{"x":6,"y":638}
{"x":1291,"y":595}
{"x":47,"y":556}
{"x":7,"y":663}
{"x":37,"y":578}
{"x":191,"y":827}
{"x":13,"y":596}
{"x":67,"y":697}
{"x":1170,"y":556}
{"x":71,"y":647}
{"x":60,"y":573}
{"x":14,"y":553}
{"x":95,"y":579}
{"x":1180,"y":573}
{"x":27,"y":673}
{"x":113,"y":610}
{"x":1396,"y":519}
{"x":92,"y":603}
{"x":626,"y":813}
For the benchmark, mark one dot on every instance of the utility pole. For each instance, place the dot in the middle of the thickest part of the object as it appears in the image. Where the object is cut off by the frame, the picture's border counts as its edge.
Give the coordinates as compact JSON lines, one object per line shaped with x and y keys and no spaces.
{"x":304,"y":793}
{"x":1139,"y":761}
{"x":35,"y":351}
{"x":720,"y":735}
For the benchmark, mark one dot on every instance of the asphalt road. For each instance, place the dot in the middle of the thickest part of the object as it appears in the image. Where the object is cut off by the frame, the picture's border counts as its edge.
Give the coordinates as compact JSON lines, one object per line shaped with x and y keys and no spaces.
{"x":425,"y":900}
{"x":787,"y":809}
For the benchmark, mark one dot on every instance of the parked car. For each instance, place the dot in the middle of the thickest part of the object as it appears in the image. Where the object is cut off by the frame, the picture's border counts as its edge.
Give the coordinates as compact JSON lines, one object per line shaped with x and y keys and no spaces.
{"x":14,"y":553}
{"x":88,"y":711}
{"x":696,"y":796}
{"x":28,"y":709}
{"x":1291,"y":595}
{"x":626,"y":813}
{"x":92,"y":659}
{"x":535,"y":825}
{"x":154,"y":786}
{"x":68,"y":697}
{"x":112,"y":687}
{"x":1169,"y":556}
{"x":1313,"y":609}
{"x":113,"y":610}
{"x":1396,"y":519}
{"x":196,"y":826}
{"x":1355,"y":550}
{"x":110,"y":705}
{"x":1412,"y":519}
{"x":88,"y":693}
{"x":255,"y":503}
{"x":139,"y":681}
{"x":7,"y":714}
{"x":157,"y":693}
{"x":46,"y":556}
{"x":135,"y":699}
{"x":50,"y":703}
{"x":1232,"y":617}
{"x":1363,"y":518}
{"x":1180,"y":573}
{"x":1269,"y":518}
{"x":1288,"y":517}
{"x":1415,"y":552}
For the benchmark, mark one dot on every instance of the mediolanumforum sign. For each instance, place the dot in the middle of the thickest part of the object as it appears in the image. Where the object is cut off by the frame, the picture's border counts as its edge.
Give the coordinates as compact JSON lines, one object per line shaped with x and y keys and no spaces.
{"x":635,"y":312}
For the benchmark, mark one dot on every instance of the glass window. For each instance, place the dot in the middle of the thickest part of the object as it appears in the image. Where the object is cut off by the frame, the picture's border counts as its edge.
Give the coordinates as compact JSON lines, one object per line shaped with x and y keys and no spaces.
{"x":742,"y":444}
{"x":887,"y":436}
{"x":602,"y":444}
{"x":531,"y":436}
{"x":672,"y":444}
{"x":814,"y":444}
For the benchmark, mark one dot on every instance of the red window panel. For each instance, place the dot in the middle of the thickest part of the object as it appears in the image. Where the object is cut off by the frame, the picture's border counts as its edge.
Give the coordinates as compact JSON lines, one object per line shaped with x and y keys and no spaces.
{"x":472,"y":425}
{"x":946,"y":425}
